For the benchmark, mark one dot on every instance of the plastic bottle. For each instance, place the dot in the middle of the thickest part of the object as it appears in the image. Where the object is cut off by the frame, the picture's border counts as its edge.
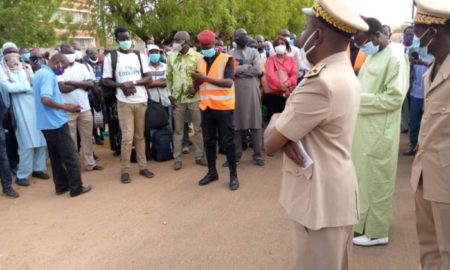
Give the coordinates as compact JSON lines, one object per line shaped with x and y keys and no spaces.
{"x":106,"y":137}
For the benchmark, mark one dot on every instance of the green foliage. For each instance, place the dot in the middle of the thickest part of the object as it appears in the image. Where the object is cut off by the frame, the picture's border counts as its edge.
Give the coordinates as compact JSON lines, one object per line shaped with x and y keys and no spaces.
{"x":28,"y":22}
{"x":162,"y":18}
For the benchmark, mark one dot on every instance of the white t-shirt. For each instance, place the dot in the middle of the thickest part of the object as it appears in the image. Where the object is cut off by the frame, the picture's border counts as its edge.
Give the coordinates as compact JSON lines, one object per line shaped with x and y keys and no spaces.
{"x":158,"y":93}
{"x":128,"y":69}
{"x":76,"y":72}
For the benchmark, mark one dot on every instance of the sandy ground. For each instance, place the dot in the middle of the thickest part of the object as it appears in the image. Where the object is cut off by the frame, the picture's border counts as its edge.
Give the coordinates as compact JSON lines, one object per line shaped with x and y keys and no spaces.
{"x":171,"y":223}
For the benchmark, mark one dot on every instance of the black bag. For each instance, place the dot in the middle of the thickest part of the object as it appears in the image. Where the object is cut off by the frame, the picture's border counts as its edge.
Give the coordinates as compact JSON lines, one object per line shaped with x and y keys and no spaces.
{"x":109,"y":93}
{"x":156,"y":115}
{"x":95,"y":94}
{"x":9,"y":119}
{"x":95,"y":99}
{"x":148,"y":152}
{"x":162,"y":144}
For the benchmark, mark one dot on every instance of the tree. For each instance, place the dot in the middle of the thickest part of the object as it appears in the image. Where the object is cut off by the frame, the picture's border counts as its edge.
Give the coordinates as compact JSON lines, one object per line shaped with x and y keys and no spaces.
{"x":28,"y":23}
{"x":269,"y":17}
{"x":162,"y":18}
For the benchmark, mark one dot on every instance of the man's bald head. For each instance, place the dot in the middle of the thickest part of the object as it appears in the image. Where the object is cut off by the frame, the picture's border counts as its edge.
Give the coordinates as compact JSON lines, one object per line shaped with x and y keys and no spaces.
{"x":285,"y":33}
{"x":184,"y":39}
{"x":240,"y":31}
{"x":260,"y":43}
{"x":58,"y":59}
{"x":182,"y":35}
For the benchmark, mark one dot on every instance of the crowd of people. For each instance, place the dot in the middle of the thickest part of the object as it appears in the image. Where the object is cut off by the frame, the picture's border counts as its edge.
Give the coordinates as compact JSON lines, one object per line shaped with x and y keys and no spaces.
{"x":339,"y":95}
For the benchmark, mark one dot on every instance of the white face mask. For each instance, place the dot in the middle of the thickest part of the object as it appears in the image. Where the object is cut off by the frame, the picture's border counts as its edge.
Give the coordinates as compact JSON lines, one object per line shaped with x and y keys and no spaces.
{"x":304,"y":54}
{"x":78,"y":55}
{"x":93,"y":61}
{"x":176,"y":47}
{"x":70,"y":57}
{"x":280,"y":49}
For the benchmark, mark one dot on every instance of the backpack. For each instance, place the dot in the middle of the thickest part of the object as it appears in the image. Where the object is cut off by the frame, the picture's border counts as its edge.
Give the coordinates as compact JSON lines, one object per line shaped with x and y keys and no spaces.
{"x":162,"y":144}
{"x":109,"y":93}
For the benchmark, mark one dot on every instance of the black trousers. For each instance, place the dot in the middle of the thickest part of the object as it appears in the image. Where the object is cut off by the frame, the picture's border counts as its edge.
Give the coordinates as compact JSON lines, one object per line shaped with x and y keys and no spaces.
{"x":275,"y":104}
{"x":221,"y":123}
{"x":64,"y":159}
{"x":115,"y":134}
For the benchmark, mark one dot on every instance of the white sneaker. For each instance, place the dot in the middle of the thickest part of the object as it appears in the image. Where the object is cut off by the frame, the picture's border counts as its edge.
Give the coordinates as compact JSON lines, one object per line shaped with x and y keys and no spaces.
{"x":185,"y":150}
{"x":367,"y":242}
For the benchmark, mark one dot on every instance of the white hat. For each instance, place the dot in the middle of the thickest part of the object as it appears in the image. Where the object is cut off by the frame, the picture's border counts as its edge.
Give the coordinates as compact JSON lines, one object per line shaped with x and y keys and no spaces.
{"x":8,"y":45}
{"x":339,"y":14}
{"x":152,"y":47}
{"x":432,"y":12}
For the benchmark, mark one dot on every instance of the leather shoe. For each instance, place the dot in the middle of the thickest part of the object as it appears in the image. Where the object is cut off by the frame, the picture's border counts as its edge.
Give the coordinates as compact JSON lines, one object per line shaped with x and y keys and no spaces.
{"x":209,"y":177}
{"x":11,"y":193}
{"x":177,"y":165}
{"x":40,"y":175}
{"x":22,"y":182}
{"x":62,"y":191}
{"x":146,"y":173}
{"x":125,"y":178}
{"x":201,"y":162}
{"x":234,"y":183}
{"x":83,"y":190}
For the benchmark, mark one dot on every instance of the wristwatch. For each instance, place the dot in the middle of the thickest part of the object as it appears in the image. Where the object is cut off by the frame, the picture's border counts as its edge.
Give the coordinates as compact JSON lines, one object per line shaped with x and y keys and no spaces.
{"x":134,"y":83}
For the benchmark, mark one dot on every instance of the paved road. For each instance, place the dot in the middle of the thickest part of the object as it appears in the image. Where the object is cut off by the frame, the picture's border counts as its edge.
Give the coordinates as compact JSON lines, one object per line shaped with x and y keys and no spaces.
{"x":171,"y":223}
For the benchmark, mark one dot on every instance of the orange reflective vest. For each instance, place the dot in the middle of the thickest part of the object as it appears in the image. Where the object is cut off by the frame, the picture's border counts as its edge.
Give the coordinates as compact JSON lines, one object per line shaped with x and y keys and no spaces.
{"x":360,"y":59}
{"x":211,"y":96}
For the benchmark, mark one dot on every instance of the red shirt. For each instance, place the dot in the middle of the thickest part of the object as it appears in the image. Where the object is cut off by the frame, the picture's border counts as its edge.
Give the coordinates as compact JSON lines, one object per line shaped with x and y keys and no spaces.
{"x":289,"y":66}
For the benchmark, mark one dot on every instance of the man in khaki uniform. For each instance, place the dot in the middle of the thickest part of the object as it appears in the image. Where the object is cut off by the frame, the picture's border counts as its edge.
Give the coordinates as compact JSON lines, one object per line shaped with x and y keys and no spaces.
{"x":321,"y":113}
{"x":430,"y":176}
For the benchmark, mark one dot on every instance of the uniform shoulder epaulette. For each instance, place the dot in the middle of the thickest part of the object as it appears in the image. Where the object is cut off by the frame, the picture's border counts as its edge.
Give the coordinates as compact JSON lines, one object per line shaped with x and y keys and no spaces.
{"x":315,"y":70}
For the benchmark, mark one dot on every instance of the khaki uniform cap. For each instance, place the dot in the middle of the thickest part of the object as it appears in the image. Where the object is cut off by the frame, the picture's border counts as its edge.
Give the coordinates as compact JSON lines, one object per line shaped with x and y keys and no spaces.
{"x":432,"y":12}
{"x":339,"y":14}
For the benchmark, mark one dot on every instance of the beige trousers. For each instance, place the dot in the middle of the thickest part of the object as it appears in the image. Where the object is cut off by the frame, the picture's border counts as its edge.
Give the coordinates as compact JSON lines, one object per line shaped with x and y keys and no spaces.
{"x":324,"y":249}
{"x":179,"y":113}
{"x":433,"y":230}
{"x":83,"y":122}
{"x":132,"y":125}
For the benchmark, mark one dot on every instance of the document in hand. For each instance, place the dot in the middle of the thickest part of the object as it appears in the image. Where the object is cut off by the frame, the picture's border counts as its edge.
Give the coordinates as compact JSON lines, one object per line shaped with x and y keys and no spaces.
{"x":308,"y":161}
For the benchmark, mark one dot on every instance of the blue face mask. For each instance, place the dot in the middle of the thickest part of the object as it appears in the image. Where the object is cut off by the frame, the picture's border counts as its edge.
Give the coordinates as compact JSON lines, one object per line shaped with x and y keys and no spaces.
{"x":209,"y":53}
{"x":25,"y":57}
{"x":415,"y":43}
{"x":369,"y":48}
{"x":291,"y":42}
{"x":234,"y":44}
{"x":154,"y":57}
{"x":415,"y":47}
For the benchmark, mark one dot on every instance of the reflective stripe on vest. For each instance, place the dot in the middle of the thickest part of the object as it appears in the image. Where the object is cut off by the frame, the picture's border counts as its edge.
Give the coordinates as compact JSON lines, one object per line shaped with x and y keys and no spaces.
{"x":212,"y":96}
